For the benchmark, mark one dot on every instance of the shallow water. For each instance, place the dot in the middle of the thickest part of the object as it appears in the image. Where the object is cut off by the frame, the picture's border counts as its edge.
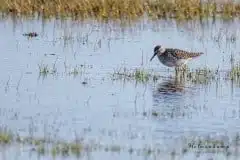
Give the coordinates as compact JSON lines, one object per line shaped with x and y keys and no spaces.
{"x":108,"y":111}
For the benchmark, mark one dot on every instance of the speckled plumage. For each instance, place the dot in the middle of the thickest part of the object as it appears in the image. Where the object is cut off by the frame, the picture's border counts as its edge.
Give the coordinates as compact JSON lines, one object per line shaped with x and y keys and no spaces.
{"x":180,"y":54}
{"x":173,"y":57}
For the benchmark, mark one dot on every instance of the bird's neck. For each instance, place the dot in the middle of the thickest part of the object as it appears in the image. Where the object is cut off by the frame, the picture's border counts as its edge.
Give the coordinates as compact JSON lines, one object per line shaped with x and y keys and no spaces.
{"x":162,"y":50}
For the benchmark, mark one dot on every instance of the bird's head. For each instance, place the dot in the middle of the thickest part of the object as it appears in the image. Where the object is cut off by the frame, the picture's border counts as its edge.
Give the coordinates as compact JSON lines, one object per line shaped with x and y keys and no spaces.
{"x":158,"y":50}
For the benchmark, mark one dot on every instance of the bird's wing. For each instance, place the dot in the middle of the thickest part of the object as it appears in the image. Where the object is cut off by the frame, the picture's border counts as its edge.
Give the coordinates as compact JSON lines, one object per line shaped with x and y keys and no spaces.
{"x":181,"y":54}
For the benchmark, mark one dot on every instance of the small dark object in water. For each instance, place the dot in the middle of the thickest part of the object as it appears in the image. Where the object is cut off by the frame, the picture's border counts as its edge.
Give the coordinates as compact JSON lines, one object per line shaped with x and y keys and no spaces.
{"x":144,"y":113}
{"x":51,"y":54}
{"x":84,"y":82}
{"x":30,"y":34}
{"x":154,"y":114}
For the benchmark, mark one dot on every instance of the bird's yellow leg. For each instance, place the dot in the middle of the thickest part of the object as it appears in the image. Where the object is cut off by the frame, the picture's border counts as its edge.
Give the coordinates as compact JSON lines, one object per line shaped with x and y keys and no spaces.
{"x":176,"y":71}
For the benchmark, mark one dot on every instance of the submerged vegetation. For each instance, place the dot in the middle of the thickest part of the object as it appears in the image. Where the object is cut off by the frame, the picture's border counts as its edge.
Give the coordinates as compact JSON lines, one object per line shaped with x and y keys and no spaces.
{"x":123,"y":8}
{"x":78,"y":148}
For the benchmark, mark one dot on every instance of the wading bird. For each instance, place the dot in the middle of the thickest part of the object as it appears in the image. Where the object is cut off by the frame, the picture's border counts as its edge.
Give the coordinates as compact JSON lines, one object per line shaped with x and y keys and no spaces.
{"x":173,"y":57}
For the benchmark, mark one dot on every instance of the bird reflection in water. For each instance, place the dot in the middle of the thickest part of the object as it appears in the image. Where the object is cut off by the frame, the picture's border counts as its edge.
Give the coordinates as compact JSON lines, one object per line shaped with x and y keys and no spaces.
{"x":171,"y":87}
{"x":169,"y":98}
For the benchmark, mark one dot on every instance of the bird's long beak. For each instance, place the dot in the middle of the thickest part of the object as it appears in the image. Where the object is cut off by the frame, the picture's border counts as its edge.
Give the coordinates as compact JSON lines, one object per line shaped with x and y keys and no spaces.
{"x":155,"y":53}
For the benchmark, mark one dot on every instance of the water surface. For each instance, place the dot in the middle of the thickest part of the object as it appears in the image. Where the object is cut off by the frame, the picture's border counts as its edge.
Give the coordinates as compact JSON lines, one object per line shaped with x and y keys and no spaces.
{"x":116,"y":112}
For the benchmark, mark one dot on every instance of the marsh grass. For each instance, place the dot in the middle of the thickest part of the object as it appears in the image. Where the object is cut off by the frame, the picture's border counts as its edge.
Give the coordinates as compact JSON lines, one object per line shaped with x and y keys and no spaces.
{"x":206,"y":75}
{"x":234,"y":74}
{"x":138,"y":74}
{"x":202,"y":75}
{"x":5,"y":137}
{"x":199,"y":76}
{"x":41,"y":149}
{"x":44,"y":69}
{"x":76,"y":70}
{"x":123,"y":8}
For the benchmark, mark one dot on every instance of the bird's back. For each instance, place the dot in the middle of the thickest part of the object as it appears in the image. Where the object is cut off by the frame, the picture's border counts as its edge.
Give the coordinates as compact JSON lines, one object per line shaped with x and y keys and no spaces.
{"x":180,"y":54}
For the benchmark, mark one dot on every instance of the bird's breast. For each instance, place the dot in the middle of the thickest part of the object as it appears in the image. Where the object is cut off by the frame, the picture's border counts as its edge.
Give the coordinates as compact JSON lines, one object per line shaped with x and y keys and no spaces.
{"x":172,"y":62}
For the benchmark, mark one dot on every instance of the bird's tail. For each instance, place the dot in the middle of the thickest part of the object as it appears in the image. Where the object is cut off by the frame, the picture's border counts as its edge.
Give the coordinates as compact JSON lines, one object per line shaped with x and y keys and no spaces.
{"x":195,"y":54}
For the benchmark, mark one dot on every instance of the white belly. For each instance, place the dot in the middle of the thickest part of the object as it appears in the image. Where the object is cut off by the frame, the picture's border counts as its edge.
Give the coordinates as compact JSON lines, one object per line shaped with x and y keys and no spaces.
{"x":173,"y":63}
